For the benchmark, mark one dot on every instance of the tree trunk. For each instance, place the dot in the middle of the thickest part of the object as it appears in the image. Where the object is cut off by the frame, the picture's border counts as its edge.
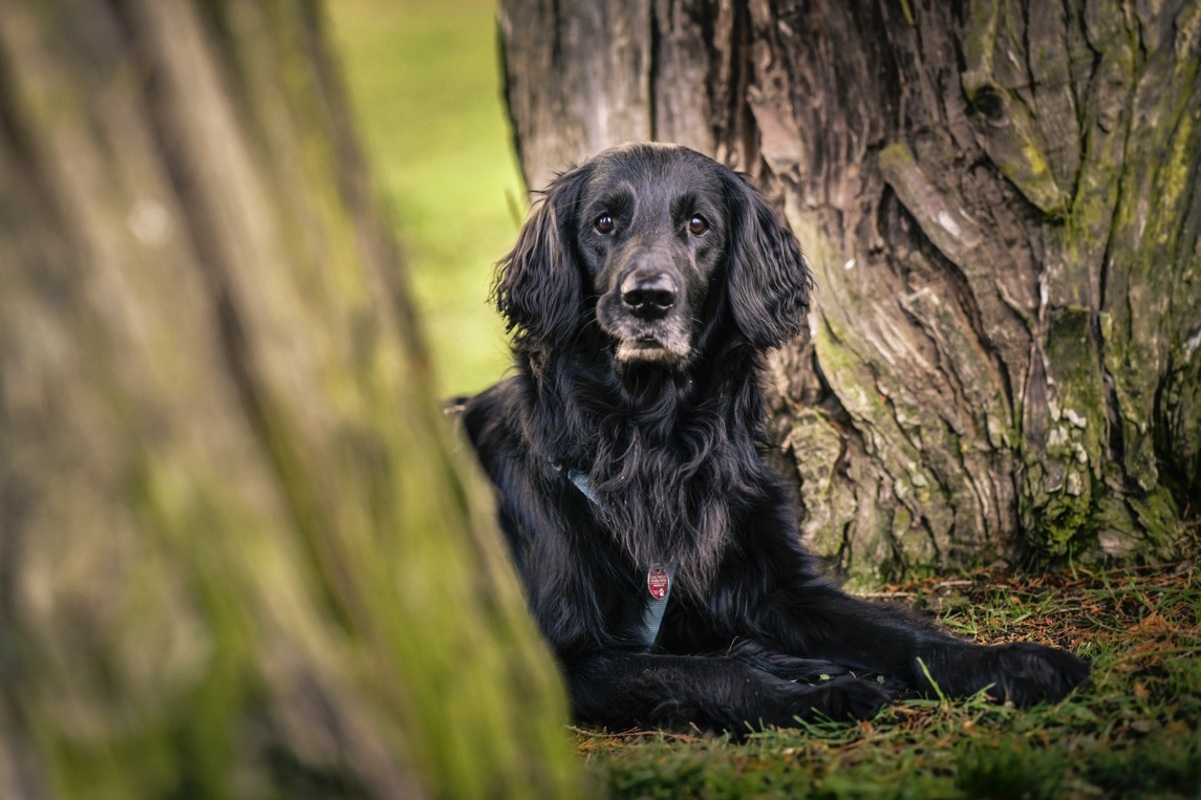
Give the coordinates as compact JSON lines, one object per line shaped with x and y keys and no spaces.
{"x":239,"y":555}
{"x":1000,"y":203}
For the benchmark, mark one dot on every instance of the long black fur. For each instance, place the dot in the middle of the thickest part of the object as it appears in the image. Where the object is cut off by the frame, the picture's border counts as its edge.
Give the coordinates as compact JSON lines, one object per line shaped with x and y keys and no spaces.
{"x":662,"y":411}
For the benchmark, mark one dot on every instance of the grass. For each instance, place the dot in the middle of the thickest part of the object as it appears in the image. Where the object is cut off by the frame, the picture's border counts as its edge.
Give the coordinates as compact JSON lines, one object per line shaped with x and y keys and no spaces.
{"x":1131,"y":731}
{"x":425,"y":85}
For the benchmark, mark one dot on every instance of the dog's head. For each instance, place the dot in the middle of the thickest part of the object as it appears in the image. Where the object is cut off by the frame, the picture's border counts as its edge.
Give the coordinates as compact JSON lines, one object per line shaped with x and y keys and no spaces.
{"x":653,"y":243}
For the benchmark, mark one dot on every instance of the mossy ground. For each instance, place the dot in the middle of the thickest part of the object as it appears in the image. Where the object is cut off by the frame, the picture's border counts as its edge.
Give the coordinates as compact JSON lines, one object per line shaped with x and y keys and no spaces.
{"x":1131,"y":731}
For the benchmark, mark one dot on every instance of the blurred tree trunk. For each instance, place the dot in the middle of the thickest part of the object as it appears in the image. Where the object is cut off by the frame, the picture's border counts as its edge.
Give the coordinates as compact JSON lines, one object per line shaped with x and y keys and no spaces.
{"x":1000,"y":202}
{"x":239,"y":555}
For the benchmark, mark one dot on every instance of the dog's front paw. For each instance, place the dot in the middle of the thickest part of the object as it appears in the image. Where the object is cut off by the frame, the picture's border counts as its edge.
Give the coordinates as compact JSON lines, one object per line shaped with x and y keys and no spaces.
{"x":1029,"y":673}
{"x":843,"y":698}
{"x":1020,"y":672}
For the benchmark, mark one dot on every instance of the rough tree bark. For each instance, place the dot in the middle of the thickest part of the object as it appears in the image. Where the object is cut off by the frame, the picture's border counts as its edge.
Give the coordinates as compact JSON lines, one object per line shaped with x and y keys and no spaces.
{"x":238,"y":556}
{"x":1000,"y":202}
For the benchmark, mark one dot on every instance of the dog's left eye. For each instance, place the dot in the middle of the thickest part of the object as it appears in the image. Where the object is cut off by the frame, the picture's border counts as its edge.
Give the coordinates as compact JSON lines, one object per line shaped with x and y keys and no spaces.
{"x":697,"y":225}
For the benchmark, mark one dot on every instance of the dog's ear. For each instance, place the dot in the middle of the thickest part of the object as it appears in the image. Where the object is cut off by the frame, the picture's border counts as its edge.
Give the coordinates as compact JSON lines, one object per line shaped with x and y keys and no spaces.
{"x":538,"y":284}
{"x":769,"y":282}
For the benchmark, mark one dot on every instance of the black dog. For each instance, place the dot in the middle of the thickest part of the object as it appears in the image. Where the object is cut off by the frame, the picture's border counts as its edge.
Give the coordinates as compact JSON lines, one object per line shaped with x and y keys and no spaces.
{"x":658,"y":549}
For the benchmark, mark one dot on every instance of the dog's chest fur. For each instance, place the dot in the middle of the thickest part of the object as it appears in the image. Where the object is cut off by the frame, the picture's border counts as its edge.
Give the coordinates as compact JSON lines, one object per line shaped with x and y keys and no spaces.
{"x":669,"y":468}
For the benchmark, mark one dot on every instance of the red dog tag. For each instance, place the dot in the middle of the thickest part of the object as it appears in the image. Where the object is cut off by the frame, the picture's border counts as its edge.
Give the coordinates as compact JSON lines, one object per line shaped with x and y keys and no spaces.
{"x":658,"y":582}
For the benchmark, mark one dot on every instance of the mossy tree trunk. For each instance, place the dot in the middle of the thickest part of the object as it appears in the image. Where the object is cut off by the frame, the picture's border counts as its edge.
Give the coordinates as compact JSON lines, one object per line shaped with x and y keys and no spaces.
{"x":239,"y":553}
{"x":1001,"y":204}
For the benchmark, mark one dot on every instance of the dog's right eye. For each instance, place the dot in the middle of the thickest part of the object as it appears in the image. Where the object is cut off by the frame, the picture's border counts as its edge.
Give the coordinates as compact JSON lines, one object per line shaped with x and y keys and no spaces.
{"x":604,"y":224}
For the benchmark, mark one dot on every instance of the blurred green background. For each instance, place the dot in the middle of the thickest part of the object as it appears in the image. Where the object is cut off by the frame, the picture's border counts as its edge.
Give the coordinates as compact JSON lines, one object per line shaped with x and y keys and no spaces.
{"x":424,"y":78}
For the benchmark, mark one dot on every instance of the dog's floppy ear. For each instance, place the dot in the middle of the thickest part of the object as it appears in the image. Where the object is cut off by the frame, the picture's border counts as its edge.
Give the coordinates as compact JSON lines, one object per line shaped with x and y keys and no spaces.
{"x":769,"y":282}
{"x":538,"y":286}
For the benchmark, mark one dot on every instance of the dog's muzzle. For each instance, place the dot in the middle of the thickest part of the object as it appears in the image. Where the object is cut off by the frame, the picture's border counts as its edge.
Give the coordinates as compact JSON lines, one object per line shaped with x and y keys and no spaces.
{"x":645,"y":310}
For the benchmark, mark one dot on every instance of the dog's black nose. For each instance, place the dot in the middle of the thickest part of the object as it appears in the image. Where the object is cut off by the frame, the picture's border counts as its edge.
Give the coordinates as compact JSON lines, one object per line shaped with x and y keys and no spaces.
{"x":648,"y":296}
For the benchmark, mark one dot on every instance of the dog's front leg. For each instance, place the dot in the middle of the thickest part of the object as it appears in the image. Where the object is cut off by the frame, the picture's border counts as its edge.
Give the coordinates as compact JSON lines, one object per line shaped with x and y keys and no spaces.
{"x":814,"y":619}
{"x":623,"y":689}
